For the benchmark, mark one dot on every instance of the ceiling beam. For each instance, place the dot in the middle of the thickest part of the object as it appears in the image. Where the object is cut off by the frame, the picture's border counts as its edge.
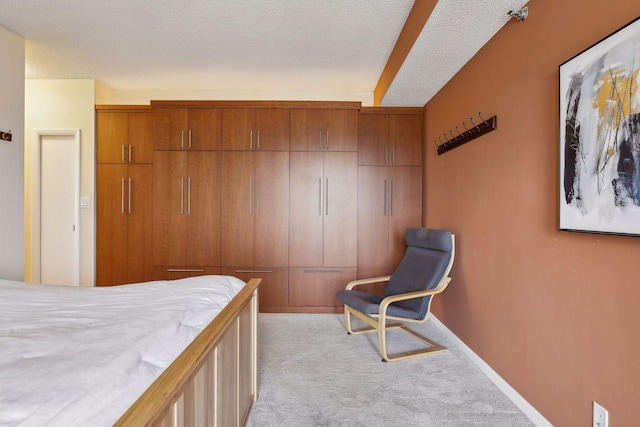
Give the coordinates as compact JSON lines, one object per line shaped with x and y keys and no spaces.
{"x":416,"y":20}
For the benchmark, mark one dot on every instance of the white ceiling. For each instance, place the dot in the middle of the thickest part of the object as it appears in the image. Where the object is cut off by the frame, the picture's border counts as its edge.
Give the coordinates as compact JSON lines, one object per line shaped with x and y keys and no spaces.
{"x":250,"y":45}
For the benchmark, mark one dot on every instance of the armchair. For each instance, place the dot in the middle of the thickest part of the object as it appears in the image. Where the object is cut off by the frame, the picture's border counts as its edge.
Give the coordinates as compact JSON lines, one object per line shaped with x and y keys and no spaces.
{"x":422,"y":273}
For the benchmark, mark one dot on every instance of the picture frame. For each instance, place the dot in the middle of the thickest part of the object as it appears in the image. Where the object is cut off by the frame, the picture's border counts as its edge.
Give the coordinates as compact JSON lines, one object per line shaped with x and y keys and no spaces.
{"x":599,"y":136}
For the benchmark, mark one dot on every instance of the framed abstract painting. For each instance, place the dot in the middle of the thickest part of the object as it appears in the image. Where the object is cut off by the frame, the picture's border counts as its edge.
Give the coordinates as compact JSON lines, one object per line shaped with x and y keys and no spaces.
{"x":600,"y":136}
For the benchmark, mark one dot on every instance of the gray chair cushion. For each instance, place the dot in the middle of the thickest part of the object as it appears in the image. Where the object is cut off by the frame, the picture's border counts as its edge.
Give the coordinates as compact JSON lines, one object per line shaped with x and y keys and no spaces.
{"x":423,"y":266}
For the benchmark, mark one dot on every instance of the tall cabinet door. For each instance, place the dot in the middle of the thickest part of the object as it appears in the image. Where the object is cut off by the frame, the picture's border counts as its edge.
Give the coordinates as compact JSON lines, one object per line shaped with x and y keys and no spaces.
{"x":340,"y":209}
{"x":373,"y":221}
{"x":111,"y":229}
{"x":140,"y":222}
{"x":405,"y":208}
{"x":238,"y":187}
{"x":169,"y":219}
{"x":203,"y":208}
{"x":306,"y":239}
{"x":272,"y":208}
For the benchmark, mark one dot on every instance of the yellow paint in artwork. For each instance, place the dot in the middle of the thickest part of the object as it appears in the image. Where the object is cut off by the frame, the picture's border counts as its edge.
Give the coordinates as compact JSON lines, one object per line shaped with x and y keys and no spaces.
{"x":614,"y":99}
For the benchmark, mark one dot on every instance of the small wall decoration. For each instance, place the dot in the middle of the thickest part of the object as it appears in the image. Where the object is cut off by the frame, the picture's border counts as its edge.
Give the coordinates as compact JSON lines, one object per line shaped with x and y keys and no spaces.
{"x":600,"y":136}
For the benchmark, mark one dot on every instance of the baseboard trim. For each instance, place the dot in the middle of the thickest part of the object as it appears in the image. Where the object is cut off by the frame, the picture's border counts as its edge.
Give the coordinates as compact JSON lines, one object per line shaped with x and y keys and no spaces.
{"x":531,"y":412}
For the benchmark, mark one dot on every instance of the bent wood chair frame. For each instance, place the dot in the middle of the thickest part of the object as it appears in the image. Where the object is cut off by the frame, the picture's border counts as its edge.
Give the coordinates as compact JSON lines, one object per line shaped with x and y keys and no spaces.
{"x":380,"y":322}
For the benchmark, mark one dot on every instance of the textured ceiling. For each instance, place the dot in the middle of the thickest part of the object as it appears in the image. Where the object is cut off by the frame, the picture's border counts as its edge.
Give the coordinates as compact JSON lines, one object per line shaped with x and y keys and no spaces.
{"x":249,"y":45}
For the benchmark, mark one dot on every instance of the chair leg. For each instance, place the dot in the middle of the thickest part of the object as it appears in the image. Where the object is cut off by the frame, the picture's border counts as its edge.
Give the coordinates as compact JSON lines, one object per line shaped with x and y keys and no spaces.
{"x":432,"y":347}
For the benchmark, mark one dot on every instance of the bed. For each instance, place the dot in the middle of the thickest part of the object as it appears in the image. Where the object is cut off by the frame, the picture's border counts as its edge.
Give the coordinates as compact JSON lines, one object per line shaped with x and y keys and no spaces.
{"x":171,"y":353}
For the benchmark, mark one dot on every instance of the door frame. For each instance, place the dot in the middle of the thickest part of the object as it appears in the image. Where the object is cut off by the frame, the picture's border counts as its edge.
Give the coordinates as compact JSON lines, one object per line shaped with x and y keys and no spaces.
{"x":36,"y":164}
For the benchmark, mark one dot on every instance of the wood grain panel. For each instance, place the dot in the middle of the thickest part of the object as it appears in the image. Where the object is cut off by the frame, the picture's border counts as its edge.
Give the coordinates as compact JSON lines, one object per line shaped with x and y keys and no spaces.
{"x":405,"y":138}
{"x":204,"y":125}
{"x":237,"y":125}
{"x":342,"y":130}
{"x":271,"y":213}
{"x":274,"y":288}
{"x":405,"y":211}
{"x":140,"y":223}
{"x":111,"y":136}
{"x":273,"y":128}
{"x":141,"y":137}
{"x":317,"y":287}
{"x":373,"y":139}
{"x":203,"y":208}
{"x":341,"y":207}
{"x":169,"y":125}
{"x":306,"y":238}
{"x":306,"y":130}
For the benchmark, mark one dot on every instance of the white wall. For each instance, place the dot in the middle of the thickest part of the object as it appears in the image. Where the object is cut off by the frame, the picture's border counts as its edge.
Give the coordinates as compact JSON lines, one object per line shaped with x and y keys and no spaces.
{"x":11,"y":156}
{"x":64,"y":104}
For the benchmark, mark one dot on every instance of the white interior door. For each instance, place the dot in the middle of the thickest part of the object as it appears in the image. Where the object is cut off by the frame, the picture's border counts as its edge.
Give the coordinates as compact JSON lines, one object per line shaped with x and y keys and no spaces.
{"x":59,"y":208}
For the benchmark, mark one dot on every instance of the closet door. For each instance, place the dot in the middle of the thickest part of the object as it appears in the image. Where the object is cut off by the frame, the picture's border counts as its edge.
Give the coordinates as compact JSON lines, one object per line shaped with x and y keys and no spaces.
{"x":111,"y":229}
{"x":306,"y":240}
{"x":238,"y":187}
{"x":405,"y":200}
{"x":273,"y":128}
{"x":373,"y":221}
{"x":271,"y":212}
{"x":169,"y":219}
{"x":340,"y":209}
{"x":140,"y":223}
{"x":203,"y":208}
{"x":405,"y":139}
{"x":341,"y":127}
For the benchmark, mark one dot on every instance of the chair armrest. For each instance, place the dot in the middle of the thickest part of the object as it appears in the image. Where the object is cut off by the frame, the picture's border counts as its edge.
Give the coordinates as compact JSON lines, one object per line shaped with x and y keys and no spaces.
{"x":411,"y":295}
{"x":355,"y":283}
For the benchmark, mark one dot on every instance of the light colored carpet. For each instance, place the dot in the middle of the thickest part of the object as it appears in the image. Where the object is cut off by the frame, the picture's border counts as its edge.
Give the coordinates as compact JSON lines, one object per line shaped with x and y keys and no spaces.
{"x":312,"y":373}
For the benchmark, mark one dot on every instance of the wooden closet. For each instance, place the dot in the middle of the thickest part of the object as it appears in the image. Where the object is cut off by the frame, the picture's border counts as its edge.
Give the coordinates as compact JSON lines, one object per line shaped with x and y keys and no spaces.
{"x":305,"y":195}
{"x":389,"y":186}
{"x":124,"y":156}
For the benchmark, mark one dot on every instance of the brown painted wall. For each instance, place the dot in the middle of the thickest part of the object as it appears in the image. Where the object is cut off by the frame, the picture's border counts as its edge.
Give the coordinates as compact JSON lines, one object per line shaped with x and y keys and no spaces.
{"x":556,"y":314}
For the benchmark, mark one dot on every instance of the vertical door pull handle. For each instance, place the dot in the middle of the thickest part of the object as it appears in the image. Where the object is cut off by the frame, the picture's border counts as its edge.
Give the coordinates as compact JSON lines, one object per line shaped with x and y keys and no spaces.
{"x":189,"y":195}
{"x":386,"y":155}
{"x":391,"y":197}
{"x":122,"y":196}
{"x":257,"y":197}
{"x":181,"y":195}
{"x":320,"y":139}
{"x":319,"y":196}
{"x":326,"y":198}
{"x":326,"y":142}
{"x":182,"y":139}
{"x":130,"y":152}
{"x":251,"y":139}
{"x":250,"y":195}
{"x":393,"y":155}
{"x":258,"y":140}
{"x":129,"y":195}
{"x":189,"y":138}
{"x":385,"y":197}
{"x":123,"y":152}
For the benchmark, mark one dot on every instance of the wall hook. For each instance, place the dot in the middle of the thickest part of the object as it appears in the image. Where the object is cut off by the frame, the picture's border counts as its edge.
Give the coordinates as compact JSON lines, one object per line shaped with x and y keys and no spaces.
{"x":480,"y":129}
{"x":5,"y":136}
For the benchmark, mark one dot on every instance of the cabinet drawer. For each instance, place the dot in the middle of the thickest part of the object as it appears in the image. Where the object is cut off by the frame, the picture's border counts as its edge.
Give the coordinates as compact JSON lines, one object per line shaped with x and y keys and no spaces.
{"x":274,"y":288}
{"x":172,"y":272}
{"x":317,"y":287}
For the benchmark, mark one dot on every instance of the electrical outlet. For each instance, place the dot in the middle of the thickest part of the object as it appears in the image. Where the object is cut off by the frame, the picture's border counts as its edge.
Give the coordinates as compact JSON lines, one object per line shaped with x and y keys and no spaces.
{"x":600,"y":416}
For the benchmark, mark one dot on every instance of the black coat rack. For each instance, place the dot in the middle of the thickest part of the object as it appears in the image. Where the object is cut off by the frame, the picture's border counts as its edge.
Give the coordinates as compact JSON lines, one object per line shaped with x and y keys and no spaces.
{"x":475,"y":131}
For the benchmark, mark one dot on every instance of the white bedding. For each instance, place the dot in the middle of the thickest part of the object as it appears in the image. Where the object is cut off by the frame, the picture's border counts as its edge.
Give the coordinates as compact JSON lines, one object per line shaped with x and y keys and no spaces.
{"x":81,"y":356}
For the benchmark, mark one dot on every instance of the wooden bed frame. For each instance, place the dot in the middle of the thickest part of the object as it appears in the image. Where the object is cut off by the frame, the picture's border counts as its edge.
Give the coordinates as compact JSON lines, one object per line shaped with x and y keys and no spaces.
{"x":214,"y":381}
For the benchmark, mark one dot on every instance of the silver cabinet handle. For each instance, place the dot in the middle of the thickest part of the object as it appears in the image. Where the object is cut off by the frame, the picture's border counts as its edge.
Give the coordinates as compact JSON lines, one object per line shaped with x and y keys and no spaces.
{"x":189,"y":138}
{"x":129,"y":195}
{"x":391,"y":197}
{"x":254,"y":271}
{"x":310,"y":270}
{"x":326,"y":198}
{"x":122,"y":152}
{"x":130,"y":152}
{"x":251,"y":139}
{"x":386,"y":155}
{"x":189,"y":195}
{"x":122,"y":196}
{"x":250,"y":195}
{"x":326,"y":142}
{"x":182,"y":139}
{"x":258,"y":140}
{"x":320,"y":139}
{"x":185,"y":270}
{"x":385,"y":197}
{"x":319,"y":196}
{"x":393,"y":155}
{"x":181,"y":195}
{"x":257,"y":185}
